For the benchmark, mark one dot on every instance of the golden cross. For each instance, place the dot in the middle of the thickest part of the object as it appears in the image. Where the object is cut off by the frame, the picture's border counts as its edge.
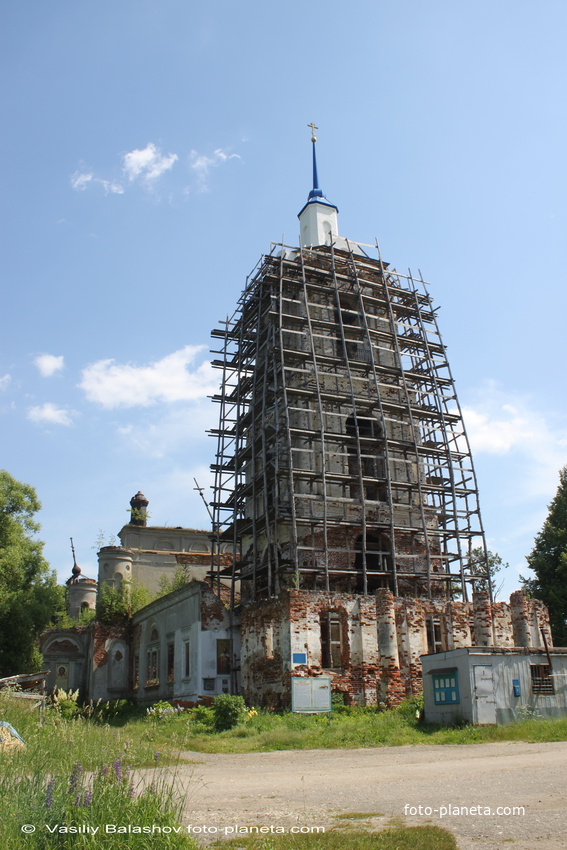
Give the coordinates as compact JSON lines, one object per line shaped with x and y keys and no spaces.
{"x":313,"y":128}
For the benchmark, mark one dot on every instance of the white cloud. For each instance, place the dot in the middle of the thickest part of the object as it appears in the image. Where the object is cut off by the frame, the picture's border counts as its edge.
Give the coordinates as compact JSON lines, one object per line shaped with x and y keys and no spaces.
{"x":201,"y":164}
{"x":49,"y":364}
{"x":4,"y":381}
{"x":110,"y":187}
{"x":175,"y":431}
{"x":168,"y":380}
{"x":80,"y":181}
{"x":147,"y":164}
{"x":500,"y":422}
{"x":50,"y":414}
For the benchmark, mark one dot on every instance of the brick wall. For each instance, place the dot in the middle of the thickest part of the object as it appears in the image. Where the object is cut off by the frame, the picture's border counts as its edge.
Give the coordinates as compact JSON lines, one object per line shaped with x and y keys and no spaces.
{"x":381,"y":640}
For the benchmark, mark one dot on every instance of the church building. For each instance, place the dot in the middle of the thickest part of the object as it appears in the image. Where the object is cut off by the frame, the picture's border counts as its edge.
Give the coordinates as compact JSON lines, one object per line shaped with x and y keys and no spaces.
{"x":347,"y":538}
{"x":343,"y":475}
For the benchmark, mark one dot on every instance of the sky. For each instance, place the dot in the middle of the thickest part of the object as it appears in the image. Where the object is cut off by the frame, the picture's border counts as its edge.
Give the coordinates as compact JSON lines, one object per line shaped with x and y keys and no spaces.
{"x":153,"y":151}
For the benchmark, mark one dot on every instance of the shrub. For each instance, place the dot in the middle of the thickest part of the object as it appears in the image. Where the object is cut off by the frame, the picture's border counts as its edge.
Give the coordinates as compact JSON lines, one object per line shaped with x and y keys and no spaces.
{"x":65,"y":703}
{"x":202,"y":719}
{"x":411,"y":708}
{"x":228,"y":710}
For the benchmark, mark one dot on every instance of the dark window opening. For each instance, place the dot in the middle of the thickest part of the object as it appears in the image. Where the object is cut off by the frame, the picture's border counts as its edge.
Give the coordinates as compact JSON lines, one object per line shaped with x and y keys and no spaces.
{"x":152,"y":671}
{"x":349,"y":318}
{"x":331,"y":640}
{"x":542,"y":680}
{"x":186,"y":659}
{"x":170,"y":662}
{"x":434,"y":634}
{"x":378,"y":560}
{"x":366,"y":435}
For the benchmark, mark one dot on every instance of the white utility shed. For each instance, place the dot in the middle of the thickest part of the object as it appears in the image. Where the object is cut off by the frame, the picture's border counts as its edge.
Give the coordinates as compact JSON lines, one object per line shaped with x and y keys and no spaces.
{"x":485,"y":685}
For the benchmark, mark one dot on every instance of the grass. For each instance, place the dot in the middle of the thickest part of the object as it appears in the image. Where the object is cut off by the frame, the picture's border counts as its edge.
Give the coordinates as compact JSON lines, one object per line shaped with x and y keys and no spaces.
{"x":136,"y":740}
{"x":359,"y":815}
{"x":362,"y":728}
{"x":402,"y":838}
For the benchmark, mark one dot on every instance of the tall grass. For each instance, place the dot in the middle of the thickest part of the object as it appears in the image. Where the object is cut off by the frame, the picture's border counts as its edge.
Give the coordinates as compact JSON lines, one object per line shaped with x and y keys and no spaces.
{"x":73,"y":784}
{"x":62,"y":810}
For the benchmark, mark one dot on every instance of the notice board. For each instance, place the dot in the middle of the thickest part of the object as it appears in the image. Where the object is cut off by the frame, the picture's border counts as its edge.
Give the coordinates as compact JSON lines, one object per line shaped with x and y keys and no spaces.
{"x":310,"y":694}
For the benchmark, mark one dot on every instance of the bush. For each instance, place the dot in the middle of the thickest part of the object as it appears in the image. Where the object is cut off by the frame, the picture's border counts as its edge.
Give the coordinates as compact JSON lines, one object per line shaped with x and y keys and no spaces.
{"x":411,"y":708}
{"x":65,"y":703}
{"x":202,"y":719}
{"x":228,"y":710}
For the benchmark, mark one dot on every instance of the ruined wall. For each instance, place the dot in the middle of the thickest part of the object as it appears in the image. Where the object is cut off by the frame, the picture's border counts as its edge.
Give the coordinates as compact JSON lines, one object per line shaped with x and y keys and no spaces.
{"x":377,"y":640}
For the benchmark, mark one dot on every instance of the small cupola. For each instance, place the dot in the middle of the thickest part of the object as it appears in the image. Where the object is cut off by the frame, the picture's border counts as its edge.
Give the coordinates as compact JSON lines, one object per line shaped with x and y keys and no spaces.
{"x":76,"y":570}
{"x":81,"y":593}
{"x":139,"y":509}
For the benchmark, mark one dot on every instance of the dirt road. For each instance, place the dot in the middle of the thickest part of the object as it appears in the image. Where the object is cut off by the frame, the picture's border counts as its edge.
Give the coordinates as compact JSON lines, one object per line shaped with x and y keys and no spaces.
{"x":315,"y":787}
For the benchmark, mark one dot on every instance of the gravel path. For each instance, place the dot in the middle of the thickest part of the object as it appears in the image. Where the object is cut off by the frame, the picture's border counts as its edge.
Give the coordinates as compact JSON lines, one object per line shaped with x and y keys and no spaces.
{"x":306,"y":788}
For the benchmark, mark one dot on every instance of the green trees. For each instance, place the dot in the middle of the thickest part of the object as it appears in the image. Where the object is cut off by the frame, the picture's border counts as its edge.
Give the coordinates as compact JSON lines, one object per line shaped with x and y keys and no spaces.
{"x":29,"y":594}
{"x":548,"y":560}
{"x":477,"y":567}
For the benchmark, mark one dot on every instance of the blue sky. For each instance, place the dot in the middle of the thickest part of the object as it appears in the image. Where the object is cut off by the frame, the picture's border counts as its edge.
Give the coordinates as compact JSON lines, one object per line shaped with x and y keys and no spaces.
{"x":152,"y":152}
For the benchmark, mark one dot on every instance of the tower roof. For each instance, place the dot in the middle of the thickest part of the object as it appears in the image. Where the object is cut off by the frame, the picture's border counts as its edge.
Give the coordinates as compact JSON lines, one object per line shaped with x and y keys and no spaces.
{"x":76,"y":571}
{"x":316,"y":195}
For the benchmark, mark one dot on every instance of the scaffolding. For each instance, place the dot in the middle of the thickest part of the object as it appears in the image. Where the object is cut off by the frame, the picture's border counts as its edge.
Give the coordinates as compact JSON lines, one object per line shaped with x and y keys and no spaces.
{"x":342,"y":460}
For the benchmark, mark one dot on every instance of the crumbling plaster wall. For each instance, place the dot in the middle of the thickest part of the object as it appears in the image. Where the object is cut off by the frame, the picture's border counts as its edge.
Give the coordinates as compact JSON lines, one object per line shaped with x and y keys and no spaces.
{"x":382,"y":639}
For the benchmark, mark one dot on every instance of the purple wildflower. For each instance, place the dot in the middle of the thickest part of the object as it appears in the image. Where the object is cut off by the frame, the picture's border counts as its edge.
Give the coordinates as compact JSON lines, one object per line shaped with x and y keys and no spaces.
{"x":78,"y":800}
{"x":88,"y":798}
{"x":117,"y":769}
{"x":156,"y":757}
{"x":49,"y":793}
{"x":75,"y":775}
{"x":131,"y":791}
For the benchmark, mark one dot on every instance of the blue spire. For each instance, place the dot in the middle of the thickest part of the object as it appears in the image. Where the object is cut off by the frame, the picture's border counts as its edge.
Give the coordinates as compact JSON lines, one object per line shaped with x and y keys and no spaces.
{"x":315,"y":191}
{"x":316,"y":195}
